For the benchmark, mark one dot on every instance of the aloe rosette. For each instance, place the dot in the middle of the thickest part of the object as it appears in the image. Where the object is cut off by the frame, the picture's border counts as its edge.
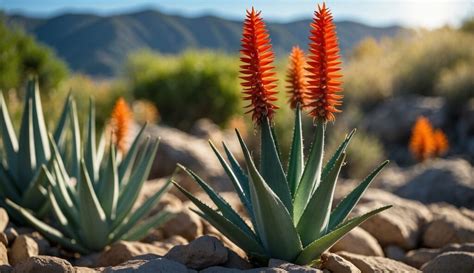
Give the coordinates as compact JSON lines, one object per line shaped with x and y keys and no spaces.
{"x":290,"y":212}
{"x":97,"y":209}
{"x":21,"y":174}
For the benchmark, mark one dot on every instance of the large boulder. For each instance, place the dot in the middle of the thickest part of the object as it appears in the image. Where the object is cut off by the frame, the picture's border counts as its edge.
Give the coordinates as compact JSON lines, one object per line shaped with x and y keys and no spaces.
{"x":441,"y":180}
{"x":193,"y":152}
{"x":401,"y":225}
{"x":456,"y":261}
{"x":402,"y":112}
{"x":336,"y":263}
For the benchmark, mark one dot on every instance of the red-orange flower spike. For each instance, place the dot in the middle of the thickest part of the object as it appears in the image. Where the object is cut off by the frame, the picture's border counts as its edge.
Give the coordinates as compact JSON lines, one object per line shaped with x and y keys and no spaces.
{"x":257,"y":70}
{"x":296,"y":78}
{"x":120,"y":121}
{"x":422,"y":144}
{"x":441,"y":143}
{"x":323,"y":67}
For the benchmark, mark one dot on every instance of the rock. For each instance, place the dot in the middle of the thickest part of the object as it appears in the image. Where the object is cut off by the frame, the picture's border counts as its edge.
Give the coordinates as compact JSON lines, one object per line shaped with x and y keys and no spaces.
{"x":448,"y":226}
{"x":401,"y":225}
{"x":221,"y":269}
{"x":206,"y":129}
{"x":359,"y":241}
{"x":185,"y":223}
{"x":85,"y":270}
{"x":394,"y":252}
{"x":3,"y":255}
{"x":368,"y":264}
{"x":402,"y":113}
{"x":457,"y":261}
{"x":11,"y":234}
{"x":203,"y":252}
{"x":148,"y":266}
{"x":122,"y":251}
{"x":6,"y":268}
{"x":43,"y":244}
{"x":274,"y":263}
{"x":336,"y":263}
{"x":3,"y":239}
{"x":3,"y":219}
{"x":441,"y":180}
{"x":44,"y":264}
{"x":419,"y":257}
{"x":23,"y":248}
{"x":178,"y":147}
{"x":234,"y":260}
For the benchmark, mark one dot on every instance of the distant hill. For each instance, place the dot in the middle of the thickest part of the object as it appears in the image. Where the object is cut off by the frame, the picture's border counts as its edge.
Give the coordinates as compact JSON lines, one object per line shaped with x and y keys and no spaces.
{"x":98,"y":45}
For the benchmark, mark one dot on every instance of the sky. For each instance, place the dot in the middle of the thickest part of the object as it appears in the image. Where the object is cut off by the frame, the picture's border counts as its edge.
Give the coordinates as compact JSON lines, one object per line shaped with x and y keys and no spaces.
{"x":410,"y":13}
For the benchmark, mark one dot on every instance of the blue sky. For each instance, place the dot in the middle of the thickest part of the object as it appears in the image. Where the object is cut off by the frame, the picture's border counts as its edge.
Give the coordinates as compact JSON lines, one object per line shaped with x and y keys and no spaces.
{"x":413,"y":13}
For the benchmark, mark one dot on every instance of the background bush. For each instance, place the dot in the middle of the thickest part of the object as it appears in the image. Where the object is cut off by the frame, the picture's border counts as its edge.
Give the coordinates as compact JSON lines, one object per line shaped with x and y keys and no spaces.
{"x":187,"y":87}
{"x":21,"y":55}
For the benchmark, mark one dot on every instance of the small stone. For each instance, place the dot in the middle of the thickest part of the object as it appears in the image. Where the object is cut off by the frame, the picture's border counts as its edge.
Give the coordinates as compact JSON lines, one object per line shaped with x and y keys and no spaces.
{"x":456,"y":261}
{"x":359,"y":241}
{"x":203,"y":252}
{"x":335,"y":263}
{"x":185,"y":223}
{"x":122,"y":251}
{"x":369,"y":264}
{"x":23,"y":248}
{"x":395,"y":252}
{"x":44,"y":264}
{"x":418,"y":257}
{"x":145,"y":266}
{"x":80,"y":269}
{"x":11,"y":234}
{"x":3,"y":219}
{"x":275,"y":263}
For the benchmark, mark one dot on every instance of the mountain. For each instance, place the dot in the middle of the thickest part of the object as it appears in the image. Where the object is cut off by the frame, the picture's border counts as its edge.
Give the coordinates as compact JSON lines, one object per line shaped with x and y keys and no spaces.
{"x":98,"y":45}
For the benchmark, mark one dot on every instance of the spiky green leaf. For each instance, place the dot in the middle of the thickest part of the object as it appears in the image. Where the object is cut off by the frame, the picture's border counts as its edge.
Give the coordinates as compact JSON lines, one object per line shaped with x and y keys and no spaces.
{"x":296,"y":159}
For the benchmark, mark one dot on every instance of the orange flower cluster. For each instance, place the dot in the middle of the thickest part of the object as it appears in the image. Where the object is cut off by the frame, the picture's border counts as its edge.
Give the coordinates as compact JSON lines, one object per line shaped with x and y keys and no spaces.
{"x":258,"y":76}
{"x":425,"y":142}
{"x":120,"y":122}
{"x":296,"y":78}
{"x":323,"y":67}
{"x":319,"y":93}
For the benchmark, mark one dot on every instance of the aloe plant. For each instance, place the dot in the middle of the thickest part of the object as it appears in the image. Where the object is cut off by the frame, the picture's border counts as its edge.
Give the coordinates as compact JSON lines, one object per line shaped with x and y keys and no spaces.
{"x":21,"y":174}
{"x":98,"y":209}
{"x":291,"y":216}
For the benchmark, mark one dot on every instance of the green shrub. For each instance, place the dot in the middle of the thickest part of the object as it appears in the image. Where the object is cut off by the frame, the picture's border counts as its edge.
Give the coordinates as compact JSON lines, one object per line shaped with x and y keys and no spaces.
{"x":457,"y":84}
{"x":187,"y":87}
{"x":21,"y":55}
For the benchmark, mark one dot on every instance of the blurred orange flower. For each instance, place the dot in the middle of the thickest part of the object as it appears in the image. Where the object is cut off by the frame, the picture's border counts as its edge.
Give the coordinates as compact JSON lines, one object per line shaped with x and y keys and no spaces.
{"x":296,"y":78}
{"x":120,"y":123}
{"x":425,"y":142}
{"x":441,"y":142}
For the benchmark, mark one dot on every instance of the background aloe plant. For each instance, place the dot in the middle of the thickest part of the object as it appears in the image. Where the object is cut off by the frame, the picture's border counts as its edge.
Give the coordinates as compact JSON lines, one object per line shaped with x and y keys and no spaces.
{"x":98,"y":209}
{"x":21,"y":174}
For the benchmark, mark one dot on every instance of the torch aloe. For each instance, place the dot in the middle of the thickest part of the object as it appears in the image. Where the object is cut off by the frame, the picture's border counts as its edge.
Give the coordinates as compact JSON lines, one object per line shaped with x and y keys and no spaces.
{"x":290,"y":212}
{"x":21,"y":176}
{"x":98,"y":209}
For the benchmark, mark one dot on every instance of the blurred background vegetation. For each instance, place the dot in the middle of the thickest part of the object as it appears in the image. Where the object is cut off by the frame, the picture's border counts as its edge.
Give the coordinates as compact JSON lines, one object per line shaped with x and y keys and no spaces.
{"x":183,"y":88}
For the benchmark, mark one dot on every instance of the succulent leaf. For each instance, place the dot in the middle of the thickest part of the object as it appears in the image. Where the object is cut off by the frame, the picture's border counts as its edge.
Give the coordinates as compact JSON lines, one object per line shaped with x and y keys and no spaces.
{"x":246,"y":241}
{"x":126,"y":165}
{"x":271,"y":168}
{"x":341,"y":149}
{"x":311,"y":174}
{"x":224,"y":207}
{"x":10,"y":142}
{"x":345,"y":207}
{"x":316,"y":248}
{"x":90,"y":148}
{"x":238,"y":171}
{"x":310,"y":227}
{"x":271,"y":215}
{"x":296,"y":159}
{"x":140,"y":231}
